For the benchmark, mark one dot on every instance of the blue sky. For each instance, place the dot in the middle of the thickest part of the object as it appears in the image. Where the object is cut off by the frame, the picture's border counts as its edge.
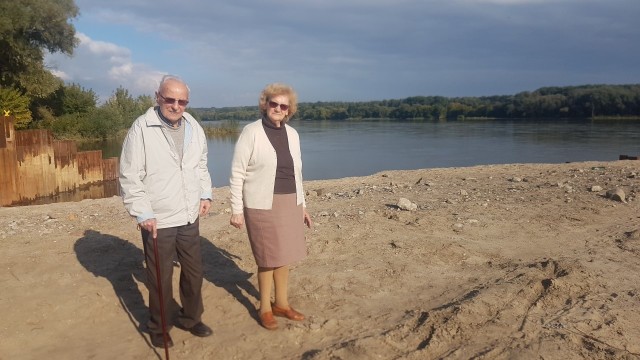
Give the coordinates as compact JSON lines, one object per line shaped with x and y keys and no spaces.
{"x":351,"y":50}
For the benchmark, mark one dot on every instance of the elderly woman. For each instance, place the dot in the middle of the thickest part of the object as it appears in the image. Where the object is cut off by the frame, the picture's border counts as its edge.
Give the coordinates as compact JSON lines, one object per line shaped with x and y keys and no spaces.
{"x":266,"y":192}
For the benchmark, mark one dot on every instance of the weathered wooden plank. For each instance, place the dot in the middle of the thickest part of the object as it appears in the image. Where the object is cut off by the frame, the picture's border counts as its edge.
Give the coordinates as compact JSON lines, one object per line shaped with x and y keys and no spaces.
{"x":34,"y":165}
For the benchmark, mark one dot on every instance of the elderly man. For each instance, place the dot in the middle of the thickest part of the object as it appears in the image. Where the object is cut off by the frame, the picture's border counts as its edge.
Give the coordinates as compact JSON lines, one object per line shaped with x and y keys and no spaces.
{"x":166,"y":186}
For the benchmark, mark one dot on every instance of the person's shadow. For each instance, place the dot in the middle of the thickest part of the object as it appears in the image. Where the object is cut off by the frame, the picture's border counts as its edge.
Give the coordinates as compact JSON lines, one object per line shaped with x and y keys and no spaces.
{"x":221,"y":270}
{"x":121,"y":263}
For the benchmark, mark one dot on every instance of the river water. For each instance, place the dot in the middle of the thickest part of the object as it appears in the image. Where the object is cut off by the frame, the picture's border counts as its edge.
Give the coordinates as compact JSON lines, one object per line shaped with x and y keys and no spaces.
{"x":336,"y":149}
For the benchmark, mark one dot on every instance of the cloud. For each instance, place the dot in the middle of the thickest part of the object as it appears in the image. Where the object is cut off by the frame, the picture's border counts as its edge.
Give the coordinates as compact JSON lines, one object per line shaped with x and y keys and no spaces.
{"x":349,"y":50}
{"x":60,"y":74}
{"x":103,"y":67}
{"x":102,"y":47}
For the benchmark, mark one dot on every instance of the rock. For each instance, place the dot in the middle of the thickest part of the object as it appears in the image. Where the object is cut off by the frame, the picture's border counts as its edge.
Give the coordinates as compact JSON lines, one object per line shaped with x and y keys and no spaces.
{"x":331,"y":323}
{"x":616,"y":194}
{"x":634,"y":235}
{"x":596,"y":188}
{"x":405,"y":204}
{"x":397,"y":244}
{"x":423,"y":181}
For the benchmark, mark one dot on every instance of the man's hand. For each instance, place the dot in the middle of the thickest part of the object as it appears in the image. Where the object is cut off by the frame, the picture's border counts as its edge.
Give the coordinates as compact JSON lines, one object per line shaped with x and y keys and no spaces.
{"x":151,"y":226}
{"x":205,"y":205}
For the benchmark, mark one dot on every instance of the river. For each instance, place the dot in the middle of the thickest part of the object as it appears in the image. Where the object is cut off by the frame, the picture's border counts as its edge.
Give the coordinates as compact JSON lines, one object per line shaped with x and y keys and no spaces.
{"x":336,"y":149}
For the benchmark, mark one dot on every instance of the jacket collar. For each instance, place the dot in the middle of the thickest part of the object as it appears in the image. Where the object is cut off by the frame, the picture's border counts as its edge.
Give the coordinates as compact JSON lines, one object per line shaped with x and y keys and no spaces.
{"x":152,"y":117}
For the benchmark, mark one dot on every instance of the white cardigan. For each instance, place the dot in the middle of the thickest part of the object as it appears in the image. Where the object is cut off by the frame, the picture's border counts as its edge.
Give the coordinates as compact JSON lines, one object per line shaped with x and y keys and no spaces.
{"x":253,"y":168}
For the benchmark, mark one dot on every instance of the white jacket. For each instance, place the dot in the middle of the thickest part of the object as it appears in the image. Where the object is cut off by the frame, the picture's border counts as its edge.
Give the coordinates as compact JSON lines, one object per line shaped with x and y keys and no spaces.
{"x":153,"y":181}
{"x":253,"y":168}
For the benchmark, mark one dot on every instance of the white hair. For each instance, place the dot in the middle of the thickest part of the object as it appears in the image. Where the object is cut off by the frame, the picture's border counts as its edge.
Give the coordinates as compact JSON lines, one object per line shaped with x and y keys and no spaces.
{"x":170,"y":77}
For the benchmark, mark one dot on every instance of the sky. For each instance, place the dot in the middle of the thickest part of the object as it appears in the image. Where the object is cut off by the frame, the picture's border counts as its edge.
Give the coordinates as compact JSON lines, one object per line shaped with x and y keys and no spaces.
{"x":351,"y":50}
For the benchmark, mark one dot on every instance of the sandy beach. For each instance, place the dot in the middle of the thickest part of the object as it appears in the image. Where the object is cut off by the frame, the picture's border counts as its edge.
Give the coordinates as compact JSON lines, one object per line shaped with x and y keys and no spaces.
{"x":520,"y":261}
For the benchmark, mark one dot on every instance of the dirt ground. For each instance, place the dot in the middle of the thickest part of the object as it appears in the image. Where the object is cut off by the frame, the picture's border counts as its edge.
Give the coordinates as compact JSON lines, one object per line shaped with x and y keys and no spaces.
{"x":522,"y":261}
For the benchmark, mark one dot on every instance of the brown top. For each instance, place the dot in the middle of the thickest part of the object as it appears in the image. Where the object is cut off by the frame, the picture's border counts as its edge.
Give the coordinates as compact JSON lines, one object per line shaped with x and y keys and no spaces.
{"x":285,"y":178}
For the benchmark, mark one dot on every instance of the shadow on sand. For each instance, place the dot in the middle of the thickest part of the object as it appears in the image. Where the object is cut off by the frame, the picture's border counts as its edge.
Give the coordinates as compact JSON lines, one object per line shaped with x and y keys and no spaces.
{"x":122,"y":263}
{"x":221,"y":270}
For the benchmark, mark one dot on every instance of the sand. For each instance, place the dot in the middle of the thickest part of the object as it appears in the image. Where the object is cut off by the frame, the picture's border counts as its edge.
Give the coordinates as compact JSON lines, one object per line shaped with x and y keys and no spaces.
{"x":521,"y":261}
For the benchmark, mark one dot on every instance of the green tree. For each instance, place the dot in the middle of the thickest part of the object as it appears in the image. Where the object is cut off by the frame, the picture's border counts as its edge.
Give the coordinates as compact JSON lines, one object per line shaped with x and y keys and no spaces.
{"x":76,"y":99}
{"x":65,"y":126}
{"x":102,"y":123}
{"x":27,"y":29}
{"x":125,"y":109}
{"x":66,"y":100}
{"x":17,"y":105}
{"x":69,"y":99}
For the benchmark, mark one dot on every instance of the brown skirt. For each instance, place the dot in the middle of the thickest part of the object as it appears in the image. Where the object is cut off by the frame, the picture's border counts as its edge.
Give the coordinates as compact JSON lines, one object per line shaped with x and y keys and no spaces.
{"x":277,"y":235}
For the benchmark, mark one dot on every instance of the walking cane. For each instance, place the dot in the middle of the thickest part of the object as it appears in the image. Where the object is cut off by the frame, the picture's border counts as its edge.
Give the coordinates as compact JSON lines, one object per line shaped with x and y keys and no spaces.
{"x":162,"y":317}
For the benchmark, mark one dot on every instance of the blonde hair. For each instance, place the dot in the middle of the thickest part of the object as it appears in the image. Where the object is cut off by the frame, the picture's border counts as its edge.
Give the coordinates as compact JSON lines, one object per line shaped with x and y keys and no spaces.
{"x":277,"y":89}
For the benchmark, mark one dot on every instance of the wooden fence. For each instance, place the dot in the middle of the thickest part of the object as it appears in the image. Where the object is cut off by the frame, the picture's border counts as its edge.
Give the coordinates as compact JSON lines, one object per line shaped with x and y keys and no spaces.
{"x":34,"y":165}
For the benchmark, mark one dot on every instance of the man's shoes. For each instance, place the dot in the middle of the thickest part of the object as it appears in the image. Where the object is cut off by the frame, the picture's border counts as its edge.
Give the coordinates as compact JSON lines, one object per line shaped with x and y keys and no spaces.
{"x":288,"y":313}
{"x":199,"y":329}
{"x":158,"y":340}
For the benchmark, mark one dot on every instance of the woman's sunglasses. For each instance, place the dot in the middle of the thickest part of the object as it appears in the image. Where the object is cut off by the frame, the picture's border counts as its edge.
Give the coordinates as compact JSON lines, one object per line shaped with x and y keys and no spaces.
{"x":171,"y":101}
{"x":283,"y":107}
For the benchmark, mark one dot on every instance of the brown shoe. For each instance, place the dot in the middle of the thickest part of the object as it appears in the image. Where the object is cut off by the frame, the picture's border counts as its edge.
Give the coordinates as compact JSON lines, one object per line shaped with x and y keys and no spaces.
{"x":288,"y":313}
{"x":268,"y":321}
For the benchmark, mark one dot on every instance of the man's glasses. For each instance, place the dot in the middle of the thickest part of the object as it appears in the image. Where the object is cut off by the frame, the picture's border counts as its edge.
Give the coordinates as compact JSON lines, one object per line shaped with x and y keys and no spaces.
{"x":283,"y":107}
{"x":171,"y":101}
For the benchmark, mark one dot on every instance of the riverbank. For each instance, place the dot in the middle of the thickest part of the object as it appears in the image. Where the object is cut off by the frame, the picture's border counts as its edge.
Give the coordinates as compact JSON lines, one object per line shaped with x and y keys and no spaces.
{"x":491,"y":262}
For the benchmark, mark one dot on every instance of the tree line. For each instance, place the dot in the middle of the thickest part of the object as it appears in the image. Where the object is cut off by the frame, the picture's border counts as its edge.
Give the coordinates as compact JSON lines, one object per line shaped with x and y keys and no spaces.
{"x":586,"y":101}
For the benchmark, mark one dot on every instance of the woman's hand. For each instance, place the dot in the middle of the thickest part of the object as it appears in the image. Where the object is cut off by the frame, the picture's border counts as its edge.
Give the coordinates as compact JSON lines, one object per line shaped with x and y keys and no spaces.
{"x":237,"y":220}
{"x":306,"y":218}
